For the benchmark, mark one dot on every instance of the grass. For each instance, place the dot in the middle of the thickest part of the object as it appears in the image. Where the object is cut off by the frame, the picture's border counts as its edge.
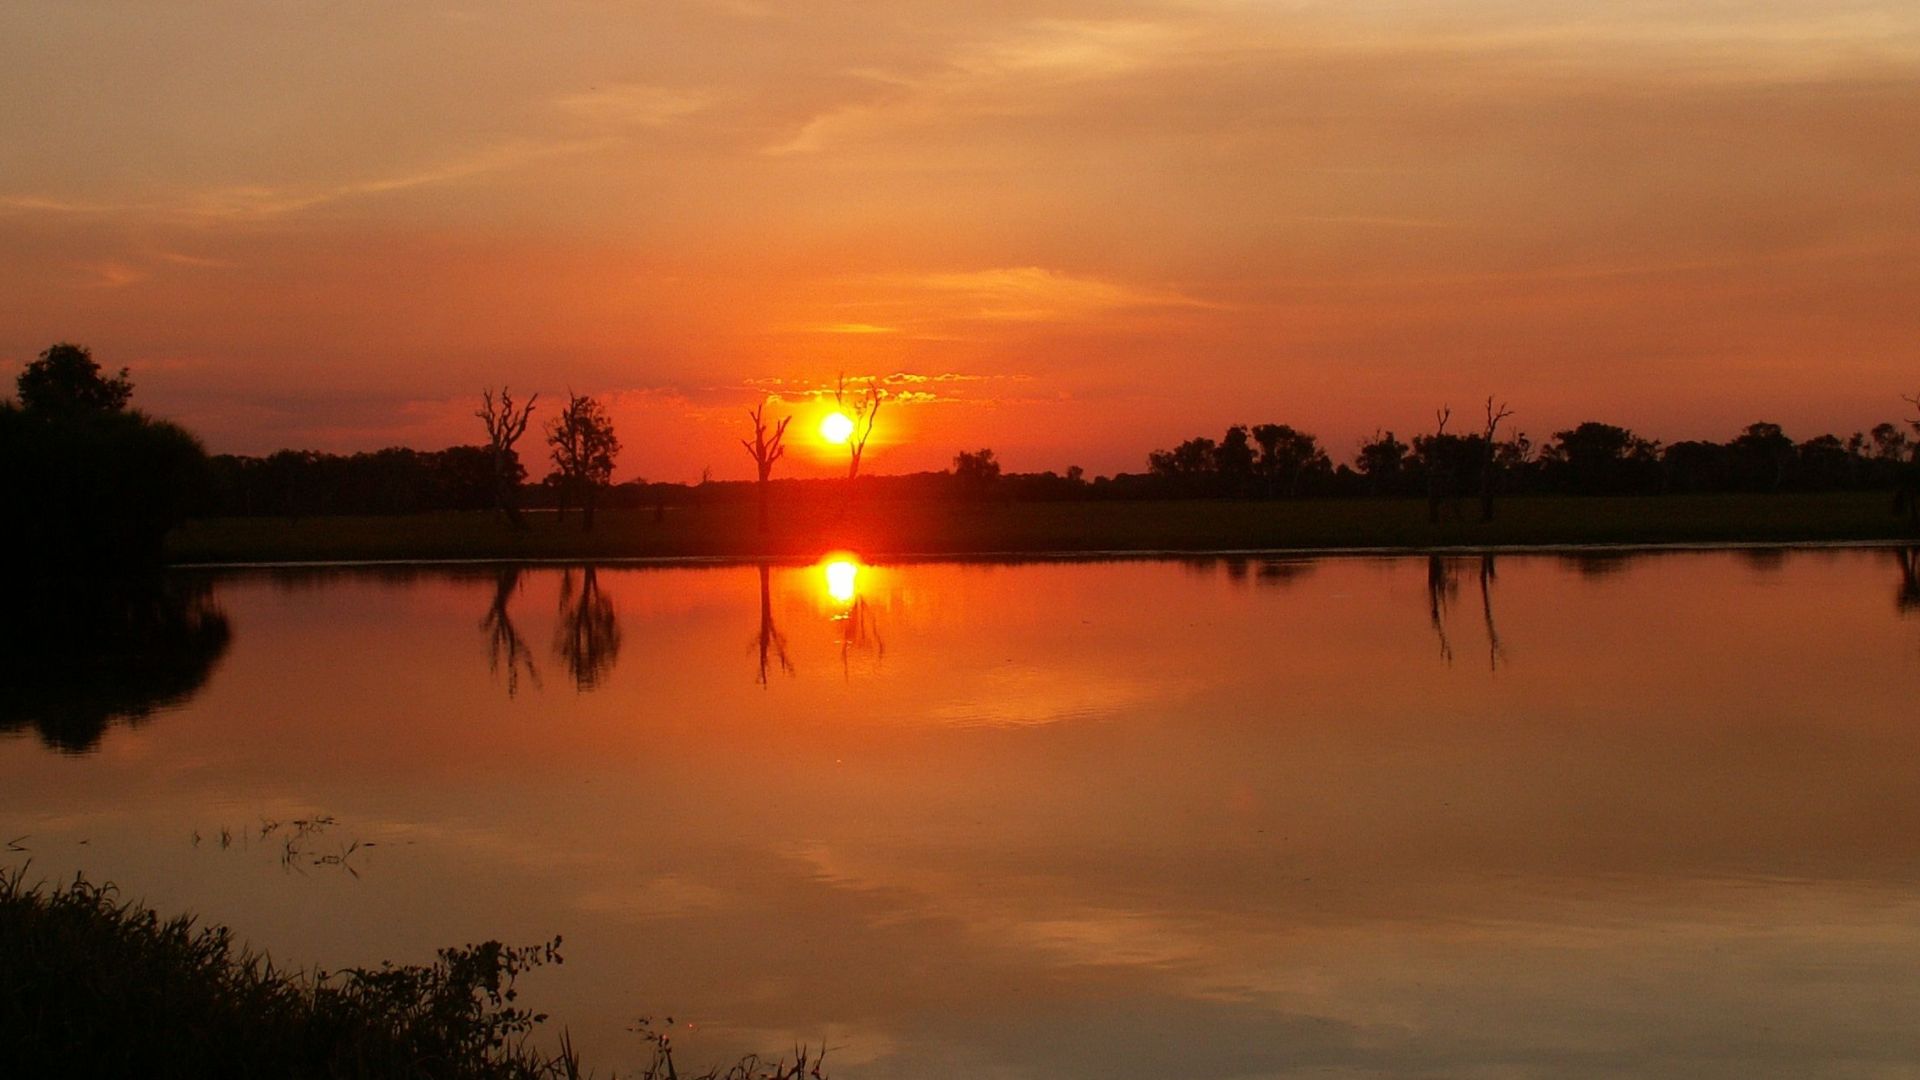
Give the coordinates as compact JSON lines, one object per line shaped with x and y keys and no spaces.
{"x":91,"y":985}
{"x":939,"y":528}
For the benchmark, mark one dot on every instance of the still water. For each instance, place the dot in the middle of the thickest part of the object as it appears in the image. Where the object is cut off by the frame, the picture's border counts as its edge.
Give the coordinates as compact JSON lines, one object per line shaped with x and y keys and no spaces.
{"x":1532,"y":815}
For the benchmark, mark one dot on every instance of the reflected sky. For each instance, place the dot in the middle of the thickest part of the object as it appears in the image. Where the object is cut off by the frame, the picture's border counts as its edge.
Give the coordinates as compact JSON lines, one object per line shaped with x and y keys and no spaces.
{"x":1207,"y":818}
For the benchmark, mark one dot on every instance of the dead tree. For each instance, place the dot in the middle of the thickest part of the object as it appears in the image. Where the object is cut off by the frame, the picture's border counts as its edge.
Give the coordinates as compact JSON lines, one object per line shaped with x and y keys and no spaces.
{"x":1439,"y":466}
{"x":865,"y":406}
{"x":1487,"y":459}
{"x":766,"y":450}
{"x":505,"y":424}
{"x":1906,"y":497}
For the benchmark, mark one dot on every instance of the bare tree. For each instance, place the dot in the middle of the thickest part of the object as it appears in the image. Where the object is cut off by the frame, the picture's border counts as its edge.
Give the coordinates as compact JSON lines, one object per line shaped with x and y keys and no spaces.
{"x":505,"y":424}
{"x":1439,"y":465}
{"x":766,"y":450}
{"x":1907,"y":496}
{"x":1487,"y":461}
{"x":864,"y":407}
{"x":584,"y":447}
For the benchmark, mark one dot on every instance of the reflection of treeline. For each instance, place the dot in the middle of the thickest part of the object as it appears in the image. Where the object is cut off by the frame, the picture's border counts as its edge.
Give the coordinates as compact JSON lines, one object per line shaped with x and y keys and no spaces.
{"x":1591,"y":458}
{"x":77,"y":655}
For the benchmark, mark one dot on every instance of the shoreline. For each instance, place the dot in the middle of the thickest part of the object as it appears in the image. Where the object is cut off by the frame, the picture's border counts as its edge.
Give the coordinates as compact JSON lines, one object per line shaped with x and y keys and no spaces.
{"x":900,"y":531}
{"x":1655,"y":547}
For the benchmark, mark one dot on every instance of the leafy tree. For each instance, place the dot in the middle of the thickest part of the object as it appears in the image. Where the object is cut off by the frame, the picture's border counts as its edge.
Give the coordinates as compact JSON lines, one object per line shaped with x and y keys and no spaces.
{"x":1596,"y":458}
{"x":1762,"y":456}
{"x":1289,"y":458}
{"x":975,"y":472}
{"x":89,"y":483}
{"x":1383,"y":461}
{"x":1188,"y":465}
{"x":584,"y":447}
{"x":66,"y":381}
{"x":1233,"y":461}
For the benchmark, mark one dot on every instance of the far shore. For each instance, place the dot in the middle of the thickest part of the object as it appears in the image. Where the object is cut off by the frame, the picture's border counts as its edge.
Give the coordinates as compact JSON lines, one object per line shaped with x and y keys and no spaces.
{"x":929,"y":529}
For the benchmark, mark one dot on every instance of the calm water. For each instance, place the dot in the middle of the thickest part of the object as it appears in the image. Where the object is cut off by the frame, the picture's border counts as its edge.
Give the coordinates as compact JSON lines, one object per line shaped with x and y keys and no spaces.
{"x":1541,"y":816}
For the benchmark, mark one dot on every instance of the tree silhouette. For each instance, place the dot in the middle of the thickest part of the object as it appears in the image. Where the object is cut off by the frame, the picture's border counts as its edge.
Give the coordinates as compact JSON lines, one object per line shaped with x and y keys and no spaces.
{"x":1489,"y":461}
{"x":1288,"y":457}
{"x":87,"y":483}
{"x":1442,"y":469}
{"x":587,"y":638}
{"x":584,"y":447}
{"x":65,"y":380}
{"x":863,"y":409}
{"x":975,"y":472}
{"x":505,"y":424}
{"x":766,"y":450}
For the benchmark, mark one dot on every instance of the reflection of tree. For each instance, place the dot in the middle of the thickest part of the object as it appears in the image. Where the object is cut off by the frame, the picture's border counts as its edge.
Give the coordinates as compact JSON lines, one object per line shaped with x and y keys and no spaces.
{"x":1442,"y":586}
{"x":1494,"y":650}
{"x":505,"y":648}
{"x":1908,"y":598}
{"x":588,"y":637}
{"x":860,"y":631}
{"x":77,"y":656}
{"x":771,"y":641}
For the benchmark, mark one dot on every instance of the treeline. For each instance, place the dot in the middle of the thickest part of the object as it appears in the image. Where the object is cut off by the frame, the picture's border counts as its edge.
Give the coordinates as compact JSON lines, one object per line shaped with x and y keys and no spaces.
{"x":1275,"y":460}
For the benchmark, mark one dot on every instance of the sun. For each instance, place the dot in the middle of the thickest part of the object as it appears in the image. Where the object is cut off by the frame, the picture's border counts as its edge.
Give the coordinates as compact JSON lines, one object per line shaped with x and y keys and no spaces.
{"x":836,"y":428}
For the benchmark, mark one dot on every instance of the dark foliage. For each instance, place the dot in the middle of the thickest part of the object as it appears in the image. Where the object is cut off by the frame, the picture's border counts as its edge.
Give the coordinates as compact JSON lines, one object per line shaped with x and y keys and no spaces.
{"x":95,"y":986}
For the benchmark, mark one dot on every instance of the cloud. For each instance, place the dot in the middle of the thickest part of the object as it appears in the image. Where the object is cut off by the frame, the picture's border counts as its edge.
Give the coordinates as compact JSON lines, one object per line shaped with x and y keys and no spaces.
{"x":243,"y":202}
{"x":635,"y":104}
{"x":1012,"y":74}
{"x":1028,"y":294}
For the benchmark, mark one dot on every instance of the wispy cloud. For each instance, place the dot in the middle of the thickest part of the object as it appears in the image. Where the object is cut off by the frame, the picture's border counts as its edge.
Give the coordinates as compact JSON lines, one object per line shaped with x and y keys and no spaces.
{"x":241,"y":202}
{"x":1025,"y":294}
{"x":635,"y":104}
{"x":1012,"y":74}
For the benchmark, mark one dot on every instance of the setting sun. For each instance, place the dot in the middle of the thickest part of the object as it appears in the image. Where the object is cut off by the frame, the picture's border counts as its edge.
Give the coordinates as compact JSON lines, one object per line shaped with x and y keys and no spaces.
{"x":843,"y":575}
{"x":835,"y":427}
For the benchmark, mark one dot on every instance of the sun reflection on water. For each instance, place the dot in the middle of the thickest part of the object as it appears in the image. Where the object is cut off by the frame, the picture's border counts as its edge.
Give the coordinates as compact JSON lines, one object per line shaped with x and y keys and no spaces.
{"x":841,"y":574}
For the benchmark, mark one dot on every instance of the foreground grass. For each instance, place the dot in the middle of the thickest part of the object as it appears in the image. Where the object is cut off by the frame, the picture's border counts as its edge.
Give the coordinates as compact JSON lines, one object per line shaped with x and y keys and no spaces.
{"x":941,"y":528}
{"x":93,"y":986}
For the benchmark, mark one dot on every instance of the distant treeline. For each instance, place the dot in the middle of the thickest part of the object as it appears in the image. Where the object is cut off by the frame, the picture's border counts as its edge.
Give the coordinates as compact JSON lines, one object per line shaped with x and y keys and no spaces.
{"x":1249,"y":461}
{"x":1274,"y":460}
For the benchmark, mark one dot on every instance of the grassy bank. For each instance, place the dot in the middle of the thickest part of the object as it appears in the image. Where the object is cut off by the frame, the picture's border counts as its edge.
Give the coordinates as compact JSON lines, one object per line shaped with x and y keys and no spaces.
{"x":908,"y":528}
{"x":94,"y":986}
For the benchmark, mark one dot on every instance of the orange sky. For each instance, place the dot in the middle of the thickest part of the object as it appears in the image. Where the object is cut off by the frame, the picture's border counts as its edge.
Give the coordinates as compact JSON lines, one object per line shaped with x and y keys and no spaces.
{"x":1092,"y":228}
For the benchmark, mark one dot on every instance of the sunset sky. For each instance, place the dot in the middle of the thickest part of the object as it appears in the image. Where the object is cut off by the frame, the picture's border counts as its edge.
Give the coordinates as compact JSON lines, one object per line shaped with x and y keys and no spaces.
{"x":1071,"y":232}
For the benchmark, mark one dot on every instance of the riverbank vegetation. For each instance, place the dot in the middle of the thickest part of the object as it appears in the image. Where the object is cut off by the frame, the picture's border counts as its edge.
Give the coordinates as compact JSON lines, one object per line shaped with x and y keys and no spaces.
{"x":806,"y":522}
{"x":99,"y":986}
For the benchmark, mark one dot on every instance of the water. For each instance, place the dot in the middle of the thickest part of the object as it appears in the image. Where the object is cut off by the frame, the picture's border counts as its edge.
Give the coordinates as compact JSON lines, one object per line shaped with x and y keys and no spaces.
{"x":1214,"y":818}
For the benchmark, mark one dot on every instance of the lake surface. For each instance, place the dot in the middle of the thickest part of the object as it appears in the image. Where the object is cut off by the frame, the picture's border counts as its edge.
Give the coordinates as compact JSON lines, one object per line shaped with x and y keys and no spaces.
{"x":1533,"y":815}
